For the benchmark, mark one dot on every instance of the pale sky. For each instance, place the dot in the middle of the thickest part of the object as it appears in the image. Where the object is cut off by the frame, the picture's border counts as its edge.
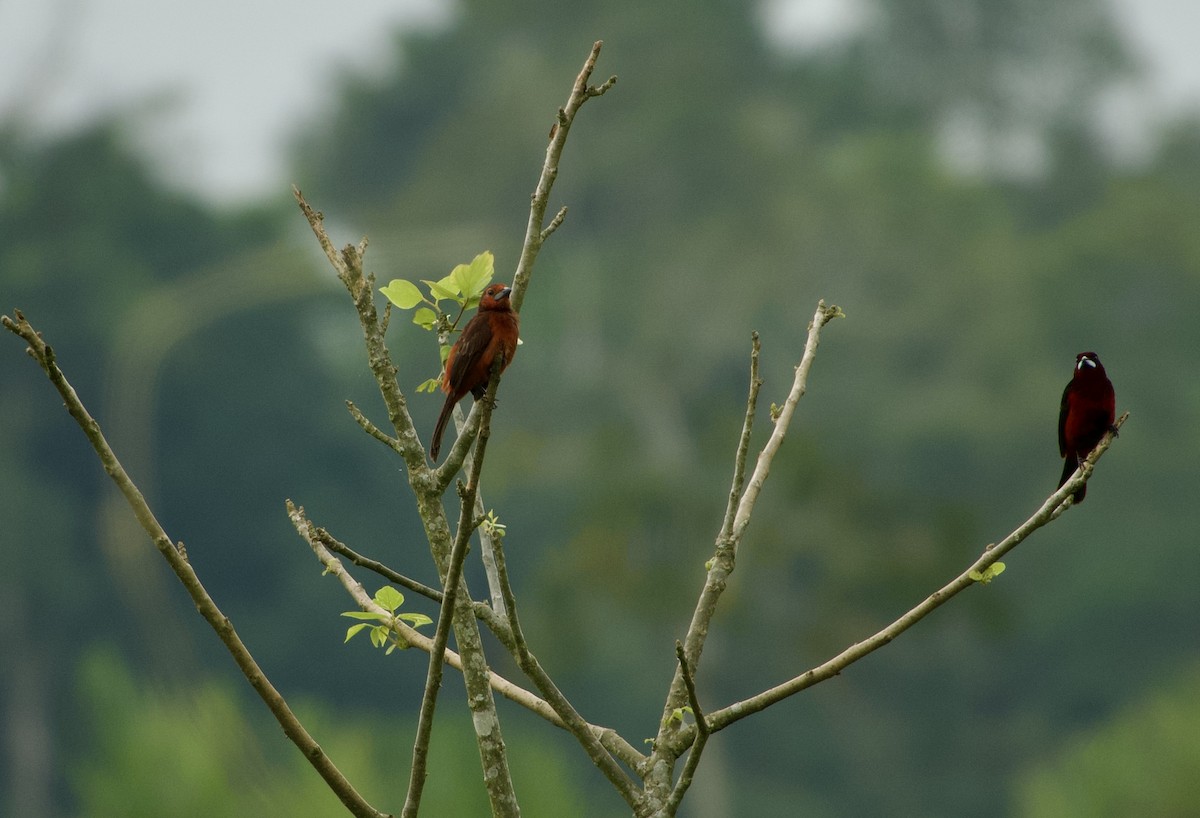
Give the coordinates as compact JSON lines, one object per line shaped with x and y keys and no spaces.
{"x":230,"y":80}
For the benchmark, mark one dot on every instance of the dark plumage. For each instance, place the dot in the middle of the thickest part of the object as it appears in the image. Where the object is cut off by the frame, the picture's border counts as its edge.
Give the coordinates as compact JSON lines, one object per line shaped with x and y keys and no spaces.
{"x":1087,"y":412}
{"x":492,"y":331}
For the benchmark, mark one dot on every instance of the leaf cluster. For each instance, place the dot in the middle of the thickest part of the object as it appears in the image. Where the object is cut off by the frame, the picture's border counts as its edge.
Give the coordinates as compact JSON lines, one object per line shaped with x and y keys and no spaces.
{"x":384,"y":633}
{"x":463,"y":286}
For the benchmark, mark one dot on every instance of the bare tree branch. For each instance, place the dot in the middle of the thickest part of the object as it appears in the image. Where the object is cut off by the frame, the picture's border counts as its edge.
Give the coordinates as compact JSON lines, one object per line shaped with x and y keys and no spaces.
{"x":739,"y":460}
{"x":762,"y":468}
{"x":456,"y":458}
{"x":428,"y":484}
{"x":458,"y":555}
{"x":485,"y":720}
{"x":487,"y":555}
{"x":1050,"y":510}
{"x":460,"y":453}
{"x":348,"y":264}
{"x":483,"y":613}
{"x":373,"y":430}
{"x":612,"y":741}
{"x":176,"y":557}
{"x":702,"y":731}
{"x":581,"y":92}
{"x":476,"y":674}
{"x":575,"y":723}
{"x":723,"y":562}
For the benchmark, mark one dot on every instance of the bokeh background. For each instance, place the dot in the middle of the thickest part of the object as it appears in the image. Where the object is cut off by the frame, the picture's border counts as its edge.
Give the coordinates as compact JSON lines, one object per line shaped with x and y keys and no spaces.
{"x":986,"y":187}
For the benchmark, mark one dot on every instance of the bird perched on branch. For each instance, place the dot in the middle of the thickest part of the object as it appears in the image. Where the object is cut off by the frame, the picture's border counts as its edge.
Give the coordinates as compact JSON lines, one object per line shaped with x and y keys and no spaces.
{"x":491,"y":332}
{"x":1088,"y":408}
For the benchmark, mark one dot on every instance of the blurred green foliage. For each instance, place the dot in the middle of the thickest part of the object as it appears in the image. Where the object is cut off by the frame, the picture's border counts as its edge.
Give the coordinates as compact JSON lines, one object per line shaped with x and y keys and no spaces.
{"x":723,"y":186}
{"x":1141,"y":761}
{"x":201,"y":749}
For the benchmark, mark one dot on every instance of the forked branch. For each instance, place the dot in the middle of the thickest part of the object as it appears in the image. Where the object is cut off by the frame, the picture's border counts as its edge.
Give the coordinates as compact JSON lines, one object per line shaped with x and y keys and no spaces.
{"x":741,"y":505}
{"x":1052,"y":508}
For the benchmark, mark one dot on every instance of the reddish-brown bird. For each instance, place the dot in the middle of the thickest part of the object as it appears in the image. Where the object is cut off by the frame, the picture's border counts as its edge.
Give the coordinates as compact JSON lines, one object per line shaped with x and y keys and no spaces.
{"x":492,"y":331}
{"x":1088,"y":408}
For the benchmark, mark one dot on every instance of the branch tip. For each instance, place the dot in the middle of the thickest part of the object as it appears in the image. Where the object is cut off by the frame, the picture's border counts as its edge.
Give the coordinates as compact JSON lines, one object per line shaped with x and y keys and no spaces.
{"x":600,"y":90}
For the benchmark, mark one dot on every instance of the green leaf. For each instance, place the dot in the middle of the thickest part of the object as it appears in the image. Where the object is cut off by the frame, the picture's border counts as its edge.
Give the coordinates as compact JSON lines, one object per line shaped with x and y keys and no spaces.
{"x":430,"y":385}
{"x":988,"y":574}
{"x":492,"y":525}
{"x":379,"y":636}
{"x":368,"y":615}
{"x":677,"y":714}
{"x":444,"y":352}
{"x":444,"y":290}
{"x":353,"y":629}
{"x":472,"y":278}
{"x":404,"y":294}
{"x":389,"y":598}
{"x":425,"y":317}
{"x":415,"y":619}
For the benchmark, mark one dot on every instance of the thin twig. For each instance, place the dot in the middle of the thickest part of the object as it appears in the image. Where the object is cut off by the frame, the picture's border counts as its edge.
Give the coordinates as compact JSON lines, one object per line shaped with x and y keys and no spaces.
{"x":690,"y":683}
{"x":725,"y":558}
{"x":456,"y":458}
{"x":373,"y":430}
{"x":1049,"y":510}
{"x":487,"y":555}
{"x":581,"y":92}
{"x":611,"y":740}
{"x":404,"y":632}
{"x":574,"y":722}
{"x":702,"y":734}
{"x":739,"y":460}
{"x":483,"y":613}
{"x":41,"y":352}
{"x":555,"y":223}
{"x":338,"y":547}
{"x":348,"y":264}
{"x":762,"y":468}
{"x":460,"y":456}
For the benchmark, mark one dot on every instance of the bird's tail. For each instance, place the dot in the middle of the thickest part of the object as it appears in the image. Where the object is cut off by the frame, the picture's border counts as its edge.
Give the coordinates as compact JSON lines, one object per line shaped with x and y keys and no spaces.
{"x":435,"y":445}
{"x":1069,"y":466}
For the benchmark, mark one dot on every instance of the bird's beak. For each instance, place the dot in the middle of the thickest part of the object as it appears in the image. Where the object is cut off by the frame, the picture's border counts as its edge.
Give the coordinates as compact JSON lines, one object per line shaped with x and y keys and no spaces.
{"x":1086,"y":362}
{"x":503,"y":294}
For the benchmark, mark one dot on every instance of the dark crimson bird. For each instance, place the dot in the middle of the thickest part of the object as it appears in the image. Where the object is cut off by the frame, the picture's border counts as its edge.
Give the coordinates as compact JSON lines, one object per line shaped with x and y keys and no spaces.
{"x":492,"y":331}
{"x":1088,"y":408}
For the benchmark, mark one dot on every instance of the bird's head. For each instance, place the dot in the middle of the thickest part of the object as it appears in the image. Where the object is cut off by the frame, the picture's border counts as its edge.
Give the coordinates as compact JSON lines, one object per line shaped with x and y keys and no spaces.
{"x":1088,"y":362}
{"x":495,"y":297}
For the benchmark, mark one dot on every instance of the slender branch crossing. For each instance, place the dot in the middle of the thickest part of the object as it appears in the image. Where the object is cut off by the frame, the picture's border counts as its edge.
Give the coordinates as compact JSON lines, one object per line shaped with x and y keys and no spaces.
{"x":176,"y":557}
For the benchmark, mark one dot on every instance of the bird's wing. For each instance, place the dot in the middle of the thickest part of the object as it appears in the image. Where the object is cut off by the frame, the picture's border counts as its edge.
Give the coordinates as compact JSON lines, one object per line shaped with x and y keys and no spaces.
{"x":476,"y":336}
{"x":1063,"y":408}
